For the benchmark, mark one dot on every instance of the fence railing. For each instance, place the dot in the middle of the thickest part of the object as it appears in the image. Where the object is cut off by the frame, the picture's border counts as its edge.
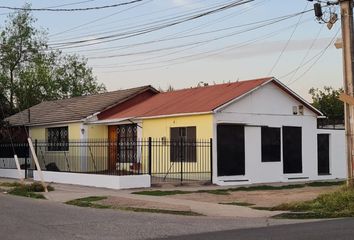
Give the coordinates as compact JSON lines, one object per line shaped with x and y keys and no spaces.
{"x":165,"y":160}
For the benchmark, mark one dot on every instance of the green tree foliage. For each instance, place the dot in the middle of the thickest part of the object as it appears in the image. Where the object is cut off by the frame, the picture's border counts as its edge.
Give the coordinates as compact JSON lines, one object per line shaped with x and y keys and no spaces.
{"x":327,"y":101}
{"x":30,"y":72}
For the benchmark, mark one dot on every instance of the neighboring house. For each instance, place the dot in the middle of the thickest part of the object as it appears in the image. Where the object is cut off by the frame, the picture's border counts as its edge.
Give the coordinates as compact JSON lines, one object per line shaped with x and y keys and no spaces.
{"x":56,"y":123}
{"x":64,"y":120}
{"x":262,"y":131}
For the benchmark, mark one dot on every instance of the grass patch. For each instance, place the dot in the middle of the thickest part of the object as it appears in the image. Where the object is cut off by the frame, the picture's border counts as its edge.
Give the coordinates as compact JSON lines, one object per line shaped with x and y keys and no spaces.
{"x":267,"y":188}
{"x":10,"y":184}
{"x":331,"y":205}
{"x":246,"y":189}
{"x":325,"y":184}
{"x":91,"y":202}
{"x":161,"y":193}
{"x":24,"y":192}
{"x":243,"y":204}
{"x":28,"y":190}
{"x":263,"y":208}
{"x":164,"y":211}
{"x":214,"y":191}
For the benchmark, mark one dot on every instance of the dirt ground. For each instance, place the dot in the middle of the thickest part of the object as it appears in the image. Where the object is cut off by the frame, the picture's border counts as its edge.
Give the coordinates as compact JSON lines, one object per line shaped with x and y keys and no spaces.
{"x":268,"y":198}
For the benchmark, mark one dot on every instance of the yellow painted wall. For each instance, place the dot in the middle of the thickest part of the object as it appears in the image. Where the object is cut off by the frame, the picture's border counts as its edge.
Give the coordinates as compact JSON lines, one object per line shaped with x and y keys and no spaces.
{"x":161,"y":164}
{"x":97,"y":131}
{"x":160,"y":127}
{"x":40,"y":133}
{"x":94,"y":155}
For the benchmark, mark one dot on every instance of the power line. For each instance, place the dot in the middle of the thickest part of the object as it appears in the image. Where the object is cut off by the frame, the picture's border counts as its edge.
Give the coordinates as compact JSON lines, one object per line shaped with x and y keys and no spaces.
{"x":193,"y":57}
{"x":286,"y":45}
{"x":266,"y":24}
{"x":86,"y":24}
{"x":319,"y":56}
{"x":98,"y":19}
{"x":71,"y":9}
{"x":307,"y":53}
{"x":115,"y":37}
{"x":167,"y":39}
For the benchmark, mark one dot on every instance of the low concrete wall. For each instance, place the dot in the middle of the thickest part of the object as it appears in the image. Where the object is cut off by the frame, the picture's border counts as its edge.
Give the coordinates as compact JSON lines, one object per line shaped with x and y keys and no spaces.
{"x":95,"y":180}
{"x":11,"y":173}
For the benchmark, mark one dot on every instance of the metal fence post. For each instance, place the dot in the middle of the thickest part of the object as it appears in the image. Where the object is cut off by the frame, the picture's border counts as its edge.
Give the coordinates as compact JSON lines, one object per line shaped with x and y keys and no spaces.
{"x":36,"y":151}
{"x":26,"y":175}
{"x":150,"y":155}
{"x":211,"y":160}
{"x":181,"y":150}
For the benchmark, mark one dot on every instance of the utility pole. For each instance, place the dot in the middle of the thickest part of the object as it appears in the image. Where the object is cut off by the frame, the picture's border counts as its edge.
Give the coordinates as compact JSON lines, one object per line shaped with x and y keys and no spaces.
{"x":346,"y":9}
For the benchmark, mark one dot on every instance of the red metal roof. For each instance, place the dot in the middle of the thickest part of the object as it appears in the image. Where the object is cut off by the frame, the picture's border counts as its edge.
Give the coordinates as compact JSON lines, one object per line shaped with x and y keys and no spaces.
{"x":193,"y":100}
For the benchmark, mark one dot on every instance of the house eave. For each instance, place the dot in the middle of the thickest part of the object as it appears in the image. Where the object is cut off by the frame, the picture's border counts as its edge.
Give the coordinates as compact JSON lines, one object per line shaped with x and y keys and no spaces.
{"x":48,"y":124}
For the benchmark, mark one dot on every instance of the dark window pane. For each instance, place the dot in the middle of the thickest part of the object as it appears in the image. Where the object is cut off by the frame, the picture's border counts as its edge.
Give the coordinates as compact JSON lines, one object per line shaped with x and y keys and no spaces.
{"x":58,"y":139}
{"x":270,"y":144}
{"x":183,"y":144}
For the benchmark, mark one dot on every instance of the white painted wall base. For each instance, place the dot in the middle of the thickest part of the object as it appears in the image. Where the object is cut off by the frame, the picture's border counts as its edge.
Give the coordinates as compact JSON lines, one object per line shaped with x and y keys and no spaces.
{"x":94,"y":180}
{"x":11,"y":173}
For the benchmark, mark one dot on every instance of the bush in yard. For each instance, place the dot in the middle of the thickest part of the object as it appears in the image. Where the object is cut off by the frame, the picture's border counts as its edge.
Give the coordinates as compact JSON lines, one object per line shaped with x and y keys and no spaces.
{"x":38,"y":187}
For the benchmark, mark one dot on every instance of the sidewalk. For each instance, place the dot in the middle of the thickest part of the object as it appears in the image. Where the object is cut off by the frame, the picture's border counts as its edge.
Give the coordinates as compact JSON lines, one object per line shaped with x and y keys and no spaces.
{"x":65,"y":193}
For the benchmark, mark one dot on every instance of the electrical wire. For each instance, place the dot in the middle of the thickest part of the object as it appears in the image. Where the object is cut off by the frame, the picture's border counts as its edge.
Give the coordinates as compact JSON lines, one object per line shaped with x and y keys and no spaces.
{"x":133,"y":34}
{"x":307,"y":53}
{"x":71,"y":9}
{"x":320,"y":55}
{"x":267,"y":24}
{"x":194,"y":57}
{"x":98,"y":19}
{"x":286,"y":45}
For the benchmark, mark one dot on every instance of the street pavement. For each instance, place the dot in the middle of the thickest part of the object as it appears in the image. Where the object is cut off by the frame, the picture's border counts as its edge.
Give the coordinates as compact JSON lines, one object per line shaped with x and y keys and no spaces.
{"x":342,"y":229}
{"x":25,"y":218}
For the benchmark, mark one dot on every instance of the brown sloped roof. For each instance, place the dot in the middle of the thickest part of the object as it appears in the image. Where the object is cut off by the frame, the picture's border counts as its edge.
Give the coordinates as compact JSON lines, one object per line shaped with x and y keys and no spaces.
{"x":74,"y":109}
{"x":199,"y":100}
{"x":193,"y":100}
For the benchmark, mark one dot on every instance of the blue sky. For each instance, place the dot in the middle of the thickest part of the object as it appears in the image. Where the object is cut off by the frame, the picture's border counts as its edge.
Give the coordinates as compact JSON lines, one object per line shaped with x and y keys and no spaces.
{"x":199,"y":50}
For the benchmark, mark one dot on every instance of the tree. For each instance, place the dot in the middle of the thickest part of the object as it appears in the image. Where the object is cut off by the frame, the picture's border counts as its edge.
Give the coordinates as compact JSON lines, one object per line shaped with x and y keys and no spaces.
{"x":327,"y":101}
{"x":31,"y":72}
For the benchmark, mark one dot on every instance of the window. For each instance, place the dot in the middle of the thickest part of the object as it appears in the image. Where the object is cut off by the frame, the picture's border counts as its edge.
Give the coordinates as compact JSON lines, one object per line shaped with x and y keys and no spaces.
{"x":58,"y":139}
{"x":270,"y":144}
{"x":183,"y":144}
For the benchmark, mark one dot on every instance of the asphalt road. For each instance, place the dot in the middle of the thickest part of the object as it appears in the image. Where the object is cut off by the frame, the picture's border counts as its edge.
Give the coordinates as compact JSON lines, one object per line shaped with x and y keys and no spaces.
{"x":342,"y":229}
{"x":24,"y":218}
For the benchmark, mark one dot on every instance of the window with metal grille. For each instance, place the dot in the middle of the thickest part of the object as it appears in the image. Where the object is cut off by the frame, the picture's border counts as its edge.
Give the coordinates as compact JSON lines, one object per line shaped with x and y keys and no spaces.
{"x":183,"y":144}
{"x":58,"y":139}
{"x":270,"y":144}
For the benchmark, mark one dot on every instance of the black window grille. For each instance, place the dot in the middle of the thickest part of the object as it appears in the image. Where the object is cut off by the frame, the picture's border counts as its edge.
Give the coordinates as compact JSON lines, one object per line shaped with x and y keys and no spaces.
{"x":58,"y":139}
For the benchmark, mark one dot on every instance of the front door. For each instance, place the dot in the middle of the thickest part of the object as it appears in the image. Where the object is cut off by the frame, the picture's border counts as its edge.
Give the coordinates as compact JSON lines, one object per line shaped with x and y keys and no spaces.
{"x":323,"y":154}
{"x":112,"y":150}
{"x":230,"y":149}
{"x":127,"y":143}
{"x":122,"y":145}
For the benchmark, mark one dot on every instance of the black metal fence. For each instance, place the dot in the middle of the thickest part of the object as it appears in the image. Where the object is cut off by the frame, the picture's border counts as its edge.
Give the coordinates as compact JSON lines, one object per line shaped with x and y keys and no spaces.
{"x":165,"y":160}
{"x":325,"y":123}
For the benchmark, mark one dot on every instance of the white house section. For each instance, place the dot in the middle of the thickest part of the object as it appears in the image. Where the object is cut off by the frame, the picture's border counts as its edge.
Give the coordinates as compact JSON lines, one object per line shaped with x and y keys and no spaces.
{"x":293,"y":136}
